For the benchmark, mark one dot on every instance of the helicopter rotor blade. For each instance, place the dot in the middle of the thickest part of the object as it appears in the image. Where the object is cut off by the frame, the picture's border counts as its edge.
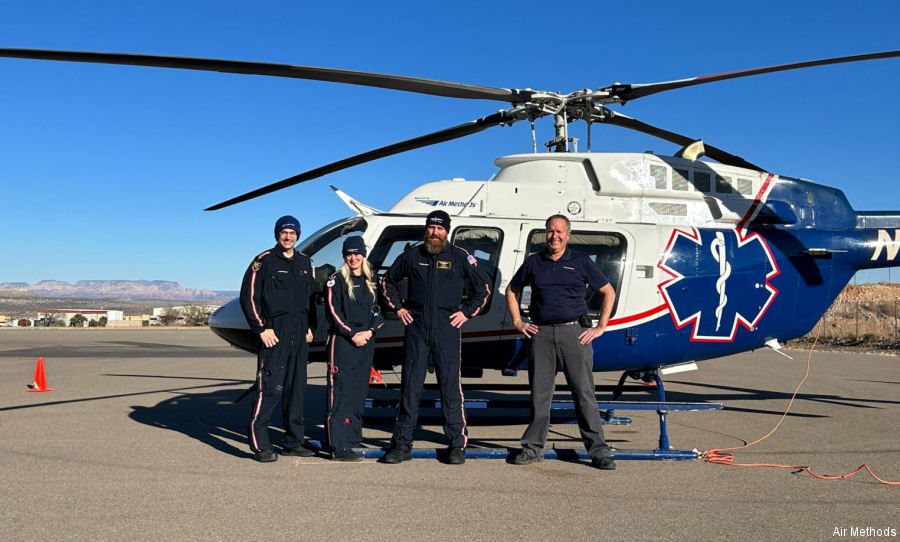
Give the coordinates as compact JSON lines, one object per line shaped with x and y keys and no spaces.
{"x":371,"y":79}
{"x":624,"y":93}
{"x":455,"y":132}
{"x":608,"y":116}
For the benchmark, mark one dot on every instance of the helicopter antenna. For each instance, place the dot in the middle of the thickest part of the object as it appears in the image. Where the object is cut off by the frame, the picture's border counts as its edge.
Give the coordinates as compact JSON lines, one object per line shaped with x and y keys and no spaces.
{"x":533,"y":138}
{"x":589,"y":122}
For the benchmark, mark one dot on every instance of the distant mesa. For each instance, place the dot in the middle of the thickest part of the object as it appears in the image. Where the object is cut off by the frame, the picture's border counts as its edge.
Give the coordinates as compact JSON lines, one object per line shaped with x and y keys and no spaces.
{"x":96,"y":289}
{"x":13,"y":285}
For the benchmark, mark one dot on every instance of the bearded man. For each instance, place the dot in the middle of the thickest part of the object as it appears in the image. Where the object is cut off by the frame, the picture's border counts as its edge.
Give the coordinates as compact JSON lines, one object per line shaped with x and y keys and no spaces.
{"x":433,"y":314}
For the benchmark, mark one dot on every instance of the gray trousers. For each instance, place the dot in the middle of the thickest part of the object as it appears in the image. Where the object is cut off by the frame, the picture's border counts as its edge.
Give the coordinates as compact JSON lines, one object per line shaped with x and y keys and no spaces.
{"x":550,"y":345}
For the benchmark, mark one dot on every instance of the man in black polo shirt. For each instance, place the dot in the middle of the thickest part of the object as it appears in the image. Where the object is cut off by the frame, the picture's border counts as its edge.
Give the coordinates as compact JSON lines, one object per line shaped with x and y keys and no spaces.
{"x":557,"y":278}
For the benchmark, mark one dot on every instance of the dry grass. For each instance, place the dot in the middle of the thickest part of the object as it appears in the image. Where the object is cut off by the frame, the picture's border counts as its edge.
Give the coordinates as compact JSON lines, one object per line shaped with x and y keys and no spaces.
{"x":863,"y":315}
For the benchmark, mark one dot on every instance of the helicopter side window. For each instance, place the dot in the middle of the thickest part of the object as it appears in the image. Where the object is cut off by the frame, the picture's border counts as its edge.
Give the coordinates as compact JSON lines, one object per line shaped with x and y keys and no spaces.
{"x":701,"y":181}
{"x":484,"y":244}
{"x":744,"y":186}
{"x":606,"y":249}
{"x":723,"y":185}
{"x":660,"y":176}
{"x":681,"y":179}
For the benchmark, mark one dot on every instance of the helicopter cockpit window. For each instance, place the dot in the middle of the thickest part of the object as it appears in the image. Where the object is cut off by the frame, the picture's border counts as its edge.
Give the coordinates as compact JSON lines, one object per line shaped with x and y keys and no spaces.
{"x":606,"y":249}
{"x":394,"y":241}
{"x":324,"y":246}
{"x":484,"y":244}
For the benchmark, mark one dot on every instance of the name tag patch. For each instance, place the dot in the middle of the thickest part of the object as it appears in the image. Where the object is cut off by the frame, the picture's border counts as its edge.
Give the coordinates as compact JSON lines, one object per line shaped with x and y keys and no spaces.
{"x":442,"y":265}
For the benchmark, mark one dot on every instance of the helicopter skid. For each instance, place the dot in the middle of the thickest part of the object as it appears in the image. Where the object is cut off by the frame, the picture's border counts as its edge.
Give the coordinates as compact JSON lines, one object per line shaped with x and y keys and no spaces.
{"x":561,"y":412}
{"x":565,"y":454}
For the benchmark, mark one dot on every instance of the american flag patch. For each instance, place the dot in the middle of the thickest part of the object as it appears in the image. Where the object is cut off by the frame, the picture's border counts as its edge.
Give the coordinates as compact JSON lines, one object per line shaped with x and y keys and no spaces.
{"x":472,"y":260}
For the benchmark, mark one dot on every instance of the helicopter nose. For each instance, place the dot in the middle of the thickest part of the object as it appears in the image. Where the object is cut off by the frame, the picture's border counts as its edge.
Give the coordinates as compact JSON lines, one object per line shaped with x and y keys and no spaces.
{"x":228,"y":316}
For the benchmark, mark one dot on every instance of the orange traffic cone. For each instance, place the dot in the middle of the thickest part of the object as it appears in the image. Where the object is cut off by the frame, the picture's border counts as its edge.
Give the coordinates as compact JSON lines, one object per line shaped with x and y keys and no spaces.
{"x":40,"y":383}
{"x":375,"y":377}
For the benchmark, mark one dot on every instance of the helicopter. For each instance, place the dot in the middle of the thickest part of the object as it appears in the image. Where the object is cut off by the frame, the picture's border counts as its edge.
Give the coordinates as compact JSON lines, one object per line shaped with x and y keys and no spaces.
{"x":707,"y":259}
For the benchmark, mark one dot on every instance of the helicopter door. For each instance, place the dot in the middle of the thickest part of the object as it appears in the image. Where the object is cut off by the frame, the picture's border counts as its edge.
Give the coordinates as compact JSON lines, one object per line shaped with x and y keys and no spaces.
{"x":606,"y":249}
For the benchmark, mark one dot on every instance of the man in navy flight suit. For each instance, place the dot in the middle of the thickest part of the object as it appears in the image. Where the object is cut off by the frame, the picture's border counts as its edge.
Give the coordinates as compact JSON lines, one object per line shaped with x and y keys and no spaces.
{"x":433,"y":314}
{"x":277,"y":297}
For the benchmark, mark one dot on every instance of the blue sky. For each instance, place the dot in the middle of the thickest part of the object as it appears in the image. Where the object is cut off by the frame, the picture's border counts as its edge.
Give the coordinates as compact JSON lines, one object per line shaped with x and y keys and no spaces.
{"x":106,"y":170}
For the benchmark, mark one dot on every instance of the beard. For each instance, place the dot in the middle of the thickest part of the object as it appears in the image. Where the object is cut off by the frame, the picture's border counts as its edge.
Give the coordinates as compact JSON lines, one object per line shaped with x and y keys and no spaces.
{"x":434,"y":245}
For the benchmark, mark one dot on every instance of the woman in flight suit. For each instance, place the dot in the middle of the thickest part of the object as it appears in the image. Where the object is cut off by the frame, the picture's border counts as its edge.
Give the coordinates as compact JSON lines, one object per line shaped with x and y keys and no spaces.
{"x":354,"y":316}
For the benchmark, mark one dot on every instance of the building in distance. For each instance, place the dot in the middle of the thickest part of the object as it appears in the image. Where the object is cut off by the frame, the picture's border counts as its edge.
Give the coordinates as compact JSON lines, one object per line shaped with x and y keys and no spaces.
{"x":51,"y":316}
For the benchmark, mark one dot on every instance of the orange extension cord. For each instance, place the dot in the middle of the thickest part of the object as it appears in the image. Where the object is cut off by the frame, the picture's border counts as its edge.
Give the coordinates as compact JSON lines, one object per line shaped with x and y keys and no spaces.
{"x":717,"y":457}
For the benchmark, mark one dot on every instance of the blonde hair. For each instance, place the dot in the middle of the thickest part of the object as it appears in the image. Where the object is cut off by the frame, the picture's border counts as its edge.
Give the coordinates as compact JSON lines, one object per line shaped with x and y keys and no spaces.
{"x":366,"y":272}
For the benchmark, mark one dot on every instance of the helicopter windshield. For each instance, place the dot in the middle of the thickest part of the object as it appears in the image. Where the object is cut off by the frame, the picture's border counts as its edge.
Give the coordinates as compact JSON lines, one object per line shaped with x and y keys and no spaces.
{"x":324,"y":246}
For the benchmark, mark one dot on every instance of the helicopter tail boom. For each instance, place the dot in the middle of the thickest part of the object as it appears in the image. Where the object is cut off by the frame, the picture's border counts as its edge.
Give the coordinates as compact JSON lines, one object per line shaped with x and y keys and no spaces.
{"x":880,"y":244}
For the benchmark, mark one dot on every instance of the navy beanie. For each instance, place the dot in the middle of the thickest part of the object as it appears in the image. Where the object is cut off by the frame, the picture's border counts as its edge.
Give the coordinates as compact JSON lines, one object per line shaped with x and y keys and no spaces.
{"x":287,"y":222}
{"x":438,"y":218}
{"x":354,"y":245}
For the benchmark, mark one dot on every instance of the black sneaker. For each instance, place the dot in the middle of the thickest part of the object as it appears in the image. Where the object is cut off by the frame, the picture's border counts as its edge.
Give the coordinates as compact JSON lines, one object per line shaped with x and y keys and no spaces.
{"x":348,"y":456}
{"x":525,"y":458}
{"x":397,"y":455}
{"x":603,"y":463}
{"x":299,"y":451}
{"x":456,"y":456}
{"x":265,"y":456}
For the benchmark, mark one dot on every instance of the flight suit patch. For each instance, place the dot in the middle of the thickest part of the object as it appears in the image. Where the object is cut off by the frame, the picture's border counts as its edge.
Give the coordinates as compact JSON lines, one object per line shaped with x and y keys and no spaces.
{"x":442,"y":264}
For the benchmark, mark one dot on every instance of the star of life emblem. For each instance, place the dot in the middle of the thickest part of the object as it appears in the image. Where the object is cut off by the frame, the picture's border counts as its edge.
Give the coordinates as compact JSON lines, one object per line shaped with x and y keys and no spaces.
{"x":720,"y":278}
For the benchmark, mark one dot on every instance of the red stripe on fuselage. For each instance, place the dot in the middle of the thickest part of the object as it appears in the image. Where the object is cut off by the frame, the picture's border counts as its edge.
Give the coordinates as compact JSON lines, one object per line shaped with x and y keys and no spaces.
{"x":512,"y":331}
{"x":757,"y":201}
{"x":638,"y":316}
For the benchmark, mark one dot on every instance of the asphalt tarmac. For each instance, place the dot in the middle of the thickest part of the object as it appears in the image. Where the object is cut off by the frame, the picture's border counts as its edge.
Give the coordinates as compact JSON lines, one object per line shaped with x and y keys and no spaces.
{"x":141,"y":440}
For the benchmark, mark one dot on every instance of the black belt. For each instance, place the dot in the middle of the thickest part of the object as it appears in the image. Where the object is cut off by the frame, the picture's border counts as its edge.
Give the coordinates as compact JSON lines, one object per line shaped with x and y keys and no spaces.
{"x":572,"y":323}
